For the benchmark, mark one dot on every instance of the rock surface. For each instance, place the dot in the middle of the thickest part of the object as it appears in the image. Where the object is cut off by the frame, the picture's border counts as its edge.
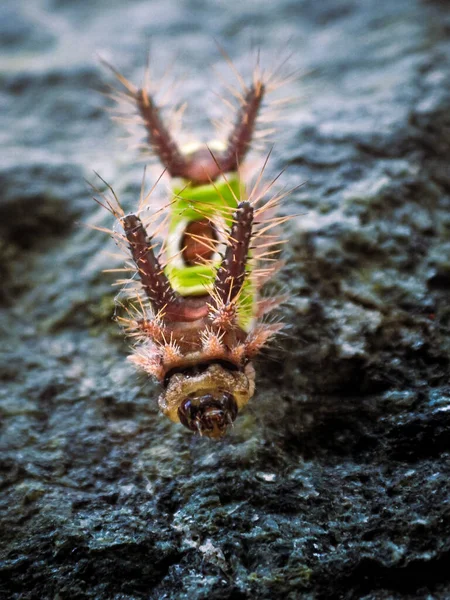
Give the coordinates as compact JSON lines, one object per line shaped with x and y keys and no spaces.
{"x":335,"y":481}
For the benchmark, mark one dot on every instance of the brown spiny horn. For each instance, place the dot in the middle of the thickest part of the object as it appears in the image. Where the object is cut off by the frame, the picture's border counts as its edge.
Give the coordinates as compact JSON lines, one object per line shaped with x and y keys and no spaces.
{"x":154,"y":281}
{"x":240,"y":138}
{"x":231,"y":274}
{"x":159,"y":137}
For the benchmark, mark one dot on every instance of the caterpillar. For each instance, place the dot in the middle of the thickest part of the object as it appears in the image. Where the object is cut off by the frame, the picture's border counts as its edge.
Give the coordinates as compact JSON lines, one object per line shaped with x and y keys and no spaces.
{"x":196,"y":314}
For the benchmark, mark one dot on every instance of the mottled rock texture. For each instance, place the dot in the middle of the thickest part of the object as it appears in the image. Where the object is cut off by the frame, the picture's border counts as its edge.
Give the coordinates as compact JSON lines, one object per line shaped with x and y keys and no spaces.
{"x":334,"y":483}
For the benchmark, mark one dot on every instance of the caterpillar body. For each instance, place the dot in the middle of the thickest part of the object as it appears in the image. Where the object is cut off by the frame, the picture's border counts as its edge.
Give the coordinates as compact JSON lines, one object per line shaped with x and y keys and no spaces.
{"x":197,"y":316}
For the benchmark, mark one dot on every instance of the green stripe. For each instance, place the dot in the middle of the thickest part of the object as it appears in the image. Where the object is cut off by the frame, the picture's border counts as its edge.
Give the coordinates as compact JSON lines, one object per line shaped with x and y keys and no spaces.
{"x":193,"y":204}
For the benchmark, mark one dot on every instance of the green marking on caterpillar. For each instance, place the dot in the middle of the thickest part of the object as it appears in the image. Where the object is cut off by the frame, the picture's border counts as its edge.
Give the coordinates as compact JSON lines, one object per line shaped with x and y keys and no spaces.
{"x":195,"y":203}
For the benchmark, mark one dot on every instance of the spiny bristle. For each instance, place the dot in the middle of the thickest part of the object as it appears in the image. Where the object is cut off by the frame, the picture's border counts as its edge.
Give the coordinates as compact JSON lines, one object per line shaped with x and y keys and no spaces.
{"x":109,"y":232}
{"x":205,"y":241}
{"x":143,"y":329}
{"x":266,"y":305}
{"x":260,"y":276}
{"x":263,"y":83}
{"x":263,"y":133}
{"x":238,"y":353}
{"x":259,"y":337}
{"x":271,"y":223}
{"x":223,"y":315}
{"x":212,"y":343}
{"x":236,"y":93}
{"x":112,"y":205}
{"x":127,"y":84}
{"x":257,"y":195}
{"x":148,"y":357}
{"x":169,"y":260}
{"x":124,"y":282}
{"x":139,"y":107}
{"x":269,"y":245}
{"x":224,"y":175}
{"x":171,"y":354}
{"x":273,"y":254}
{"x":225,"y":101}
{"x":120,"y":270}
{"x":220,"y":304}
{"x":143,"y":197}
{"x":224,"y":210}
{"x":232,"y":66}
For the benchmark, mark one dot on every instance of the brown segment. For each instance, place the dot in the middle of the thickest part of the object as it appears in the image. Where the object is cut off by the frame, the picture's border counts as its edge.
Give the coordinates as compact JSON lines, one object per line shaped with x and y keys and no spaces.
{"x":154,"y":281}
{"x":231,"y":274}
{"x":198,"y":242}
{"x":159,"y":137}
{"x":241,"y":137}
{"x":202,"y":167}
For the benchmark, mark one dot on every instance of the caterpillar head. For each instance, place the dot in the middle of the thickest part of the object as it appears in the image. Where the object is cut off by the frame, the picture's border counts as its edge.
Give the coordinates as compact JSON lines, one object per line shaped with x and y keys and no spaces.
{"x":207,"y":399}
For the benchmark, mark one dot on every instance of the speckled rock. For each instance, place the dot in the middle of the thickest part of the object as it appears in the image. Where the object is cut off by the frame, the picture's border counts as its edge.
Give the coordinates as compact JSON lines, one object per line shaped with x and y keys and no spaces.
{"x":334,"y":482}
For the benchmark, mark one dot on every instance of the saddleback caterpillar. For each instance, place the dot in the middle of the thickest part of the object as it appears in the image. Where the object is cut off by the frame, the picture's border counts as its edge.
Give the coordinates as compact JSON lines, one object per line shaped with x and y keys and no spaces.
{"x":196,"y":315}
